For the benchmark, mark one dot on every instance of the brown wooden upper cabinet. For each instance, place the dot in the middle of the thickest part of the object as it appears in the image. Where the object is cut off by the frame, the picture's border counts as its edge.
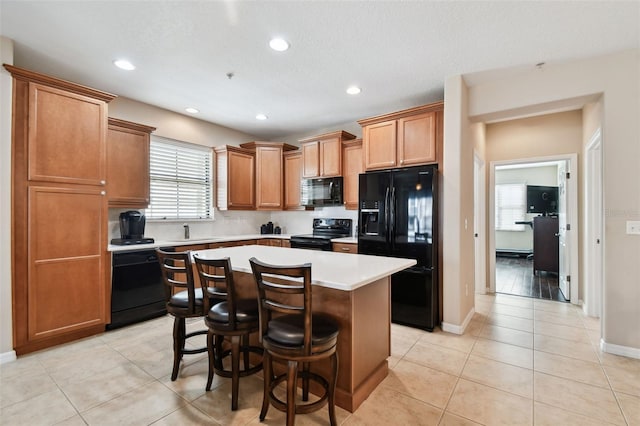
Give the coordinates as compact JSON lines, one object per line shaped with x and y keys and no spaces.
{"x":402,"y":139}
{"x":322,"y":155}
{"x":128,"y":164}
{"x":292,"y":177}
{"x":269,"y":176}
{"x":235,"y":178}
{"x":352,"y":166}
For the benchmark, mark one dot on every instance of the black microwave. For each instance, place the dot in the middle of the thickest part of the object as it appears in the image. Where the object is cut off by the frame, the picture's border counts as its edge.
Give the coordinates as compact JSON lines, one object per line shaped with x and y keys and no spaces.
{"x":321,"y":192}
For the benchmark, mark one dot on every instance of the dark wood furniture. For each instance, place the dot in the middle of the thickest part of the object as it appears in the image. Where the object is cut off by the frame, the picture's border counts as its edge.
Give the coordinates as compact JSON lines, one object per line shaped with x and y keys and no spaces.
{"x":184,"y":301}
{"x":293,"y":335}
{"x":545,"y":244}
{"x":232,"y":317}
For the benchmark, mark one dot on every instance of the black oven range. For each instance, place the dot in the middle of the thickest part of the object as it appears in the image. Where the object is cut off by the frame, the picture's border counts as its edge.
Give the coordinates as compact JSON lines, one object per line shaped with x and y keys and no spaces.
{"x":324,"y":230}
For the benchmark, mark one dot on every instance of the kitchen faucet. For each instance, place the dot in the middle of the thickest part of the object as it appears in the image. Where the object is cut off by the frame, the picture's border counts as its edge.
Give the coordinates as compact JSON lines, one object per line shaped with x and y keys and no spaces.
{"x":186,"y":231}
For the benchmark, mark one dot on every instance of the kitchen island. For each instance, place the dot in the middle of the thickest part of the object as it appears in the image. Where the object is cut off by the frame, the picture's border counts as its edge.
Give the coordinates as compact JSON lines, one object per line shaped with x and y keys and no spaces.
{"x":354,"y":290}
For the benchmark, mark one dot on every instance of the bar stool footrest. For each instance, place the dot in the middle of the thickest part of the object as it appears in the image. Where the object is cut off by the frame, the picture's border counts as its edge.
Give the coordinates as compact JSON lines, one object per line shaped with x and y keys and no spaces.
{"x":304,"y":408}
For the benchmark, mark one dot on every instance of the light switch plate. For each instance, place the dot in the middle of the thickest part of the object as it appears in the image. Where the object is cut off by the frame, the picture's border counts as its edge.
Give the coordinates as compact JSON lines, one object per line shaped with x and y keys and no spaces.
{"x":633,"y":227}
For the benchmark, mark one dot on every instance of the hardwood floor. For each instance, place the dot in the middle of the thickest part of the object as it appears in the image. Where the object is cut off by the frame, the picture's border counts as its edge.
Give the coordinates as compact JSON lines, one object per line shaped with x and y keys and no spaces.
{"x":514,"y":275}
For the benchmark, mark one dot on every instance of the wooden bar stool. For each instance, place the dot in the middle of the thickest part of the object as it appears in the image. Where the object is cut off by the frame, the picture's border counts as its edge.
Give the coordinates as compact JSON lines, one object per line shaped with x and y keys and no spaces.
{"x":294,"y":335}
{"x":183,"y":301}
{"x":233,"y":318}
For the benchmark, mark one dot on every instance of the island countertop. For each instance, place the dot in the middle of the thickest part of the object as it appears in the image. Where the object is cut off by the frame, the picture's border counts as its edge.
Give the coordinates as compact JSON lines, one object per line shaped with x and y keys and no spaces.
{"x":339,"y":271}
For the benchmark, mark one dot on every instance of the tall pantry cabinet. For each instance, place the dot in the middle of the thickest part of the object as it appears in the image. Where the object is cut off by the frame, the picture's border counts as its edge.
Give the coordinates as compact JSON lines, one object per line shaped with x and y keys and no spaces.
{"x":59,"y":224}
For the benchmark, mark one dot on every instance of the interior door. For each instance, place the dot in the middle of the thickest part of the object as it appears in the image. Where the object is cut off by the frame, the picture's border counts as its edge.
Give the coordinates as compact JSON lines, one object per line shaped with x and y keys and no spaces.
{"x":564,"y":265}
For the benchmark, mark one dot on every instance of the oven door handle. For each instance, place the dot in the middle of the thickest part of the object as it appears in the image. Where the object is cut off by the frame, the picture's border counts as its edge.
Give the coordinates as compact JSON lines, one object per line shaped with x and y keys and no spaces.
{"x":303,"y":244}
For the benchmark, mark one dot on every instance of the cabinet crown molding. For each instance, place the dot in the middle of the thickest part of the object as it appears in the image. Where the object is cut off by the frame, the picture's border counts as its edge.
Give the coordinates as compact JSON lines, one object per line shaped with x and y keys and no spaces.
{"x":256,"y":144}
{"x":338,"y":134}
{"x":79,"y":89}
{"x":130,"y":125}
{"x":225,"y":148}
{"x":436,"y":106}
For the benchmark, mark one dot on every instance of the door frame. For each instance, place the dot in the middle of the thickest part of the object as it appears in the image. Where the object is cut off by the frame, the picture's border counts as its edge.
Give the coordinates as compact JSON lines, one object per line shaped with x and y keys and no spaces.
{"x":572,"y":207}
{"x":479,"y":224}
{"x":593,"y":185}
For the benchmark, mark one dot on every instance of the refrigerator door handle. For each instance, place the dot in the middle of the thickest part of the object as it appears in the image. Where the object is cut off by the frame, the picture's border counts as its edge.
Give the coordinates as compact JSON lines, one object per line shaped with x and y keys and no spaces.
{"x":386,"y":215}
{"x":392,"y":219}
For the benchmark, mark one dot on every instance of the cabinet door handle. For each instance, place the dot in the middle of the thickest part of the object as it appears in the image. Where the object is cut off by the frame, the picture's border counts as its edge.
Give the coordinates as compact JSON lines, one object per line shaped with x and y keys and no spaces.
{"x":346,"y":249}
{"x":102,"y":182}
{"x":103,"y":192}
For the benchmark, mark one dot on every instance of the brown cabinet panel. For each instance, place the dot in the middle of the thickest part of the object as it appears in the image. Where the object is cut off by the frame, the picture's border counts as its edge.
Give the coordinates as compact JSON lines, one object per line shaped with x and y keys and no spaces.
{"x":331,"y":157}
{"x":67,"y":134}
{"x":63,"y":298}
{"x":235,"y":178}
{"x":311,"y":159}
{"x":380,"y":145}
{"x":402,"y":139}
{"x":292,"y":177}
{"x":60,"y":284}
{"x":128,"y":164}
{"x":269,"y":175}
{"x":322,"y":155}
{"x":273,"y":242}
{"x":351,"y":167}
{"x":269,"y":178}
{"x":345,"y":248}
{"x":417,"y":139}
{"x":67,"y":260}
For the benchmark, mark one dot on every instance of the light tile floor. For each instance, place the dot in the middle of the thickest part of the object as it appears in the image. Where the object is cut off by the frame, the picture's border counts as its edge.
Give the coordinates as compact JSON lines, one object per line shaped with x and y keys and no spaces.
{"x":521,"y":361}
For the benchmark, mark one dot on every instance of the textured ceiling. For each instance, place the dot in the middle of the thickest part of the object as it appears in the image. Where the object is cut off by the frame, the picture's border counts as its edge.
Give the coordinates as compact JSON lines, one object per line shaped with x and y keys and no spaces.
{"x":399,"y":52}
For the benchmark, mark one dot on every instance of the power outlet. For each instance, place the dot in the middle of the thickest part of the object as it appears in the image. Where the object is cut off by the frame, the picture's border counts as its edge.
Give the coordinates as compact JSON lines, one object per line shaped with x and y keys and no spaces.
{"x":633,"y":227}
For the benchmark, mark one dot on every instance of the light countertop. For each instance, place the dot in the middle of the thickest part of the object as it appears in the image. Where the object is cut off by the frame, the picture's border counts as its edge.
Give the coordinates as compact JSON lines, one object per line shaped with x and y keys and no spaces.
{"x":195,"y":241}
{"x":345,"y":240}
{"x":216,"y":239}
{"x":340,"y":271}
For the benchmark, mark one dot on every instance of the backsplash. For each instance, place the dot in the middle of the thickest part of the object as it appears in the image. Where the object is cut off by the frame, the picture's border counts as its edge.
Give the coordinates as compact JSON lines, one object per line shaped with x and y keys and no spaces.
{"x":228,"y":223}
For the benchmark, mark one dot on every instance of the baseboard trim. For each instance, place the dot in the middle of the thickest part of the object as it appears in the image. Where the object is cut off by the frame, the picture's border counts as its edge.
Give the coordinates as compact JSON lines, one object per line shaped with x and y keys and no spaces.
{"x":458,"y":329}
{"x":627,"y":351}
{"x":7,"y":357}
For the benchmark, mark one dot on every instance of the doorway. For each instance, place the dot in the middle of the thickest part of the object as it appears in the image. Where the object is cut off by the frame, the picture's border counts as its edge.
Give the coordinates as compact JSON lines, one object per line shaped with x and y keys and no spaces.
{"x":514,"y":267}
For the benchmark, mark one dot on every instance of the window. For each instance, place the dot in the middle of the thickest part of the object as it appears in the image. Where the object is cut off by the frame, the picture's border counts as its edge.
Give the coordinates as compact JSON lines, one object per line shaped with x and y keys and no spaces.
{"x":181,"y":180}
{"x":510,"y":206}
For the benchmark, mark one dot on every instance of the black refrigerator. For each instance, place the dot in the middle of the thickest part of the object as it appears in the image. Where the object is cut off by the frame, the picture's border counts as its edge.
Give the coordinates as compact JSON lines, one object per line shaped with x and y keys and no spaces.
{"x":397,"y":217}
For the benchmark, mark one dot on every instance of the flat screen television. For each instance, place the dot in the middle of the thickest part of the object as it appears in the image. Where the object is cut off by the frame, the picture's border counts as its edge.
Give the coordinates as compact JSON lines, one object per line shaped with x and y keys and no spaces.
{"x":542,"y":199}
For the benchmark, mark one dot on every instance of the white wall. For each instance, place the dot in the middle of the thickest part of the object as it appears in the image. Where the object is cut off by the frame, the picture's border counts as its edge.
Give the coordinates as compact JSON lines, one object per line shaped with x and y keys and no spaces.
{"x":457,"y":205}
{"x":616,"y":78}
{"x":6,"y":315}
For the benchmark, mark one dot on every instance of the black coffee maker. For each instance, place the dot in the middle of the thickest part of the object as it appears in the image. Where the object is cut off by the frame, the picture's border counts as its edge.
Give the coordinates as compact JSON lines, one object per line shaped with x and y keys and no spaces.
{"x":132,"y":229}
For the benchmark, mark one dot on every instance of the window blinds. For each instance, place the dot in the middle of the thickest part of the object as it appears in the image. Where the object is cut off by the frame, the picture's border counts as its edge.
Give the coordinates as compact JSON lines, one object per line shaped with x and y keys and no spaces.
{"x":511,"y":206}
{"x":181,"y":180}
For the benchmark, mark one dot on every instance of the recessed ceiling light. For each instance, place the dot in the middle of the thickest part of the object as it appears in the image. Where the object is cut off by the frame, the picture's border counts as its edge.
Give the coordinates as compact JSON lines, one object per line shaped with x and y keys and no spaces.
{"x":279,"y":44}
{"x":261,"y":117}
{"x":124,"y":64}
{"x":353,"y":90}
{"x":192,"y":110}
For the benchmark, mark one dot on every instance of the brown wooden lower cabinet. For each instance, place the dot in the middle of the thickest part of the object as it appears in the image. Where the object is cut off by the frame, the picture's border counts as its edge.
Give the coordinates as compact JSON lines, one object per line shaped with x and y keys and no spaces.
{"x":273,"y":242}
{"x":345,"y":248}
{"x":60,"y":280}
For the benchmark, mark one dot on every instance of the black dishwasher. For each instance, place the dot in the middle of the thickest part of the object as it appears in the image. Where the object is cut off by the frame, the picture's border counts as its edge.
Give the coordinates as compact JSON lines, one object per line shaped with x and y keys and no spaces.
{"x":137,"y":290}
